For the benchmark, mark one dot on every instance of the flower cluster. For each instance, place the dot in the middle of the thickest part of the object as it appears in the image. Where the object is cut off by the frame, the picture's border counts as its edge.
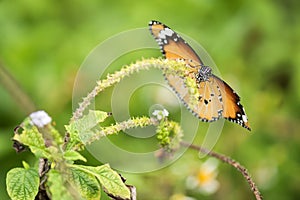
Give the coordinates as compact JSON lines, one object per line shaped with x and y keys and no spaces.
{"x":168,"y":132}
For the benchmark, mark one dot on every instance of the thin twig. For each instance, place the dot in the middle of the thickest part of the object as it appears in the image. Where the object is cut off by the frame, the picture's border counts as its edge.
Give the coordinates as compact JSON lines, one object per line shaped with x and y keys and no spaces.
{"x":15,"y":90}
{"x":231,"y":162}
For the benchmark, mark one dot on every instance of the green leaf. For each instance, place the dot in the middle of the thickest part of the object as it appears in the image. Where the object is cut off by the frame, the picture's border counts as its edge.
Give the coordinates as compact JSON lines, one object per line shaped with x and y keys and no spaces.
{"x":87,"y":184}
{"x":109,"y":179}
{"x":58,"y":188}
{"x":32,"y":138}
{"x":22,"y":183}
{"x":55,"y":135}
{"x":25,"y":165}
{"x":73,"y":155}
{"x":35,"y":138}
{"x":74,"y":139}
{"x":81,"y":129}
{"x":92,"y":119}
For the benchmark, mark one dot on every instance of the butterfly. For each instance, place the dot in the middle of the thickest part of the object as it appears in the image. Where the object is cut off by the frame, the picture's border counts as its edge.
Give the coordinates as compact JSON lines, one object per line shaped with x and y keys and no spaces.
{"x":216,"y":99}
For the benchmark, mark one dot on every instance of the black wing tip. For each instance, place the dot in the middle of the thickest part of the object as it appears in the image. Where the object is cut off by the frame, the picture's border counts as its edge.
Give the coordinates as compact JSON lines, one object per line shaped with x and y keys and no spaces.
{"x":154,"y":22}
{"x":237,"y":122}
{"x":246,"y":127}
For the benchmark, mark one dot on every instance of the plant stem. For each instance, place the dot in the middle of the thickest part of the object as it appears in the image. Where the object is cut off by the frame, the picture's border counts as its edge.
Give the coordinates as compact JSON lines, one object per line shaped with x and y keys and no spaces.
{"x":127,"y":70}
{"x":122,"y":126}
{"x":229,"y":161}
{"x":15,"y":91}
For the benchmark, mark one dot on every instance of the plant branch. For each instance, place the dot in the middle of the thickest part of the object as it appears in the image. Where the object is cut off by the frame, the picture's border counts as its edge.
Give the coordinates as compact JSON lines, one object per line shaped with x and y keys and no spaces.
{"x":127,"y":70}
{"x":229,"y":161}
{"x":116,"y":128}
{"x":15,"y":91}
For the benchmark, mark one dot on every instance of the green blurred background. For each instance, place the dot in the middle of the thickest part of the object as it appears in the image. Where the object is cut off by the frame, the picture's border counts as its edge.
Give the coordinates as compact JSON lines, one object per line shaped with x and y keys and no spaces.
{"x":255,"y":44}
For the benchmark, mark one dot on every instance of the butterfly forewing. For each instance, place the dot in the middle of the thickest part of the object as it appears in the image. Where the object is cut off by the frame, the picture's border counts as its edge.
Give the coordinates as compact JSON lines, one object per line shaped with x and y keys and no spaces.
{"x":172,"y":45}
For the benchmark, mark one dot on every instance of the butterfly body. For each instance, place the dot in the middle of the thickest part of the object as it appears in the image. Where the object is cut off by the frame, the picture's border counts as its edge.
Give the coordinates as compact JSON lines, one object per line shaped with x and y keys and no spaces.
{"x":213,"y":98}
{"x":203,"y":74}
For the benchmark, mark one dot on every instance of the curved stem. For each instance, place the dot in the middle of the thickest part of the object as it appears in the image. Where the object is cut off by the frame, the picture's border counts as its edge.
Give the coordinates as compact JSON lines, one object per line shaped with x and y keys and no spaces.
{"x":111,"y":79}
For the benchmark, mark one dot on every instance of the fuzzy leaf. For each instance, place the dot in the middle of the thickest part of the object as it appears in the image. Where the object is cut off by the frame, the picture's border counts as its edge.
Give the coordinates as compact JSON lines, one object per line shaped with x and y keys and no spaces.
{"x":57,"y":186}
{"x":32,"y":138}
{"x":55,"y":135}
{"x":109,"y":179}
{"x":74,"y":139}
{"x":81,"y":129}
{"x":22,"y":183}
{"x":92,"y":119}
{"x":86,"y":183}
{"x":74,"y":155}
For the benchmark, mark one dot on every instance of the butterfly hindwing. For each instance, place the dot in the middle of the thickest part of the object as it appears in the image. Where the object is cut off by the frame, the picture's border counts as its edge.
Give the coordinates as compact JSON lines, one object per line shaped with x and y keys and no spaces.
{"x":209,"y":107}
{"x":210,"y":100}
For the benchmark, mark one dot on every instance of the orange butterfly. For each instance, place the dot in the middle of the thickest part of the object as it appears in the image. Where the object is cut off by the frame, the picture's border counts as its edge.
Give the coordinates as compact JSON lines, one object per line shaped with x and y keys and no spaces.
{"x":216,"y":98}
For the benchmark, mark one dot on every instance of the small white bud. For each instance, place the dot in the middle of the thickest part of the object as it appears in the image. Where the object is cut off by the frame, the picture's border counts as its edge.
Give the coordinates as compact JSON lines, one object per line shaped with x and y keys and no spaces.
{"x":40,"y":118}
{"x":160,"y":114}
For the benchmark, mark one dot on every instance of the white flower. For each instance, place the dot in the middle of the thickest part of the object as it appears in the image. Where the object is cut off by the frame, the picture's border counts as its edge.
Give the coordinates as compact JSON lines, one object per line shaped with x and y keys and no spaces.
{"x":205,"y":179}
{"x":40,"y":118}
{"x":160,"y":114}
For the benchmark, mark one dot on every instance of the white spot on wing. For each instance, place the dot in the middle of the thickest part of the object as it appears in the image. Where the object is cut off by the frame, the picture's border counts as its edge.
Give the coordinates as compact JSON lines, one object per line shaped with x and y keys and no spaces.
{"x":165,"y":32}
{"x":244,"y":118}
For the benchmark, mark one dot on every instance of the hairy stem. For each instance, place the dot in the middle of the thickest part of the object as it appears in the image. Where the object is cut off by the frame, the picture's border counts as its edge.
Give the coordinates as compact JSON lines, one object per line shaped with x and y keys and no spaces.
{"x":229,"y":161}
{"x":128,"y":124}
{"x":127,"y":70}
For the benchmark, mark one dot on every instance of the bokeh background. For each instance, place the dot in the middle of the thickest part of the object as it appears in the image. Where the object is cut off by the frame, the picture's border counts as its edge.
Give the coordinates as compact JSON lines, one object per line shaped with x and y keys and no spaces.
{"x":255,"y":45}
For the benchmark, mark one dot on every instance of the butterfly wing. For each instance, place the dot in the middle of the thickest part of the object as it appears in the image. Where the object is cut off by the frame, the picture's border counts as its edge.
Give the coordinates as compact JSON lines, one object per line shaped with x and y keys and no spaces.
{"x":172,"y":45}
{"x":209,"y":106}
{"x":232,"y":108}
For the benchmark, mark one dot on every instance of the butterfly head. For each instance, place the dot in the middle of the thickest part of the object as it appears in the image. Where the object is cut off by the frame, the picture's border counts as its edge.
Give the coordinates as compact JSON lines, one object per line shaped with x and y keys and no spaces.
{"x":204,"y":73}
